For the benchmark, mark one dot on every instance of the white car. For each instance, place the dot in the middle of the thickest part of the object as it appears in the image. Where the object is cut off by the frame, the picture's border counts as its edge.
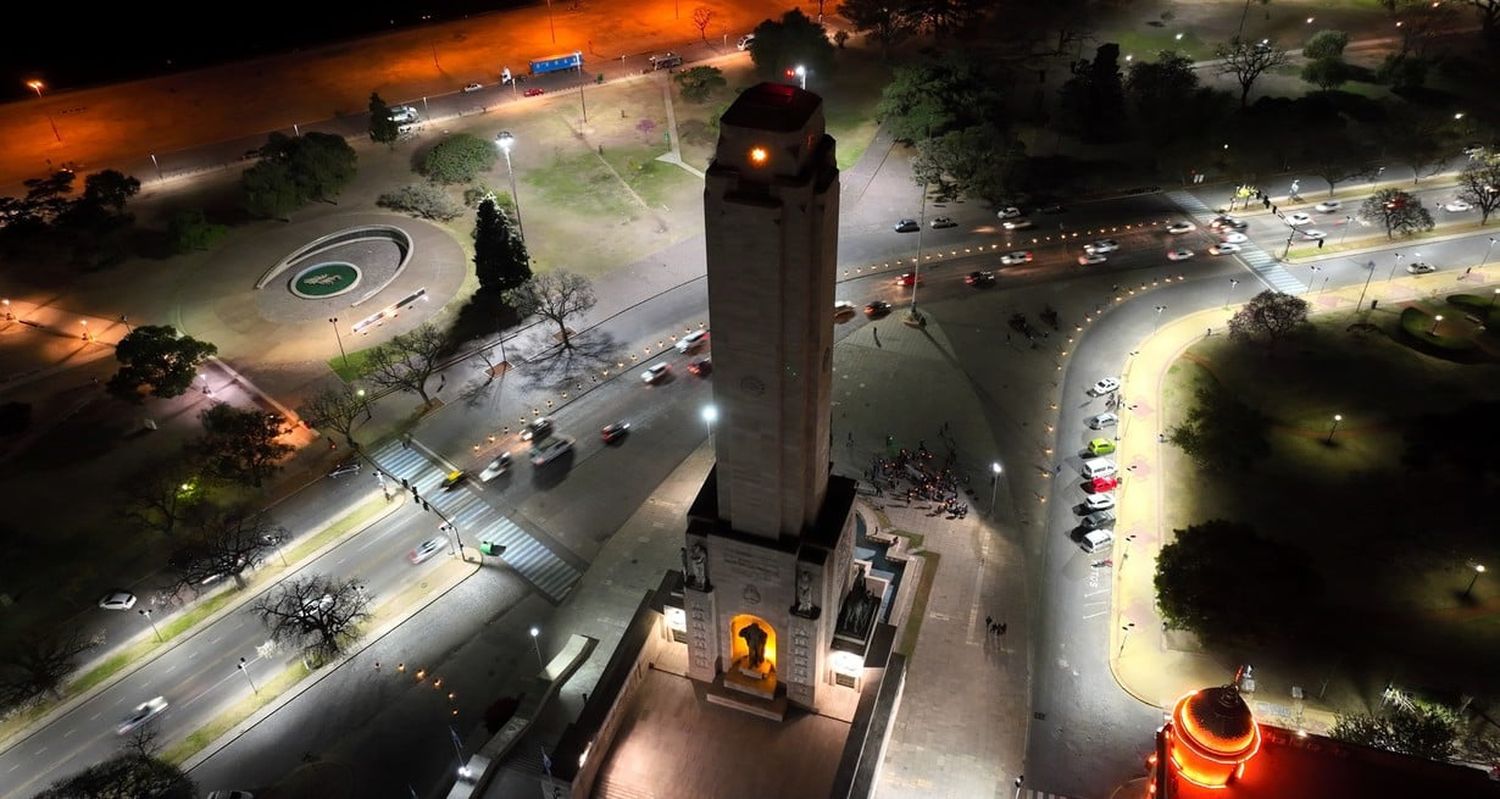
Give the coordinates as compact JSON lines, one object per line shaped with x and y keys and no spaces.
{"x":1420,"y":268}
{"x":1179,"y":254}
{"x":1457,"y":206}
{"x":1298,"y":218}
{"x":1091,"y":258}
{"x":744,"y":42}
{"x":472,"y":87}
{"x":692,"y":341}
{"x":1328,"y":206}
{"x":425,"y":550}
{"x":1107,"y":385}
{"x":844,"y":309}
{"x":1223,"y":248}
{"x":143,"y":713}
{"x":117,"y":600}
{"x":1233,"y":237}
{"x":1017,"y":257}
{"x":496,"y":467}
{"x":1101,"y":246}
{"x":1179,"y":228}
{"x":1102,"y":421}
{"x":1009,"y":213}
{"x":655,"y":374}
{"x":1098,"y":502}
{"x":938,"y":223}
{"x":539,"y":428}
{"x":1016,"y":224}
{"x":1312,"y":234}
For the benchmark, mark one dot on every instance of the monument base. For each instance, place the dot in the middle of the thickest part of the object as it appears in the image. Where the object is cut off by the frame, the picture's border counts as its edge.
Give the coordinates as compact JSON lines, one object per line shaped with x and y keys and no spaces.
{"x":729,"y":690}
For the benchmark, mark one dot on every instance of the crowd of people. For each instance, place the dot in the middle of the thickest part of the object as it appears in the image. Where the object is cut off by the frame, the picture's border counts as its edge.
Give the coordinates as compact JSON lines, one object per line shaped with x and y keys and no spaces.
{"x":920,"y":476}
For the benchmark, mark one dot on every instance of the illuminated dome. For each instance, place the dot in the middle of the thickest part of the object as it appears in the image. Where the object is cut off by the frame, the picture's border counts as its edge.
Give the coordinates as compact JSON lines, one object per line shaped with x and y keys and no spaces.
{"x":1219,"y":720}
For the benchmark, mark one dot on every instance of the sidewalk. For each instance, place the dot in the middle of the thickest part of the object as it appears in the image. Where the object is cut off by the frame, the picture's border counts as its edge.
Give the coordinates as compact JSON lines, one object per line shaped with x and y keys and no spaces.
{"x":1154,"y":666}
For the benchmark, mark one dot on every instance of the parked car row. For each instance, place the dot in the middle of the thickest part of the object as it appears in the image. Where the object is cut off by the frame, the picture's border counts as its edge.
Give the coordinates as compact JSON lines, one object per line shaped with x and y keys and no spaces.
{"x":1096,"y":511}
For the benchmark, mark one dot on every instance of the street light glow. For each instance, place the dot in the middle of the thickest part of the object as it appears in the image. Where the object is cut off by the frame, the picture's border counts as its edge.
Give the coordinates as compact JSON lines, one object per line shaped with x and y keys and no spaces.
{"x":710,"y":414}
{"x":995,"y":467}
{"x":535,"y":632}
{"x":505,"y":140}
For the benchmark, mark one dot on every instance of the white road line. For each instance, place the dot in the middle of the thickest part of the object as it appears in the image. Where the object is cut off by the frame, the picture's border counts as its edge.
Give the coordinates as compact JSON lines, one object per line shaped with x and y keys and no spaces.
{"x":96,"y":716}
{"x":42,"y":750}
{"x":12,"y":768}
{"x":216,"y":640}
{"x":69,"y":732}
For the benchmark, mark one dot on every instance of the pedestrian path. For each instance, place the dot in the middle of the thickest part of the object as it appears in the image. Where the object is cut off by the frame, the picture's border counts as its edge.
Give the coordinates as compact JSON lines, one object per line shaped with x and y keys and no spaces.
{"x":1260,"y":262}
{"x":476,"y":520}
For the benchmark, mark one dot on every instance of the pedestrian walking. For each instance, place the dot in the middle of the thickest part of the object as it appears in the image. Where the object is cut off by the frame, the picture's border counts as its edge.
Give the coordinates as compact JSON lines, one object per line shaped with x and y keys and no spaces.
{"x":1467,"y":271}
{"x":1001,"y":627}
{"x":851,"y":438}
{"x":1209,"y":333}
{"x":989,"y":622}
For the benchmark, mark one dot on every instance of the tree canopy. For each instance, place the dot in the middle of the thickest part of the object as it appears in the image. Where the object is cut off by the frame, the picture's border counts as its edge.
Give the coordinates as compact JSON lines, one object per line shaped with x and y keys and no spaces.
{"x":554,"y":296}
{"x":459,"y":158}
{"x":159,"y":360}
{"x":794,"y":40}
{"x":500,"y":259}
{"x":319,"y":614}
{"x":1246,"y":61}
{"x":1269,"y":317}
{"x":889,"y":22}
{"x":1220,"y":432}
{"x":409,"y":360}
{"x":698,"y":83}
{"x":128,"y":775}
{"x":1397,"y":212}
{"x":1408,"y":727}
{"x":938,"y":95}
{"x":241,"y":444}
{"x":979,"y":162}
{"x":1093,"y":100}
{"x":383,"y":127}
{"x":295,"y":170}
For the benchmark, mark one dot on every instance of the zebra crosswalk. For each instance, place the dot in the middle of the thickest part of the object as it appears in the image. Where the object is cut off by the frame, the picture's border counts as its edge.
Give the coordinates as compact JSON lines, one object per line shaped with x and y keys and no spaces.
{"x":1261,"y":263}
{"x":476,"y":520}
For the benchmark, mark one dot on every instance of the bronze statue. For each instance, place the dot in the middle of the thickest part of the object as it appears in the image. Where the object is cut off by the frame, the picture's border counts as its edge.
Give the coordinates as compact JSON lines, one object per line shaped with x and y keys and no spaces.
{"x":755,"y":639}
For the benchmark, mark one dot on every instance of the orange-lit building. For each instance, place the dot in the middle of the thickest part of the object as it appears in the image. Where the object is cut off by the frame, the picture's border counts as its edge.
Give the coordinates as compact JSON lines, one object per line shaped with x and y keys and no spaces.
{"x":1212,"y":748}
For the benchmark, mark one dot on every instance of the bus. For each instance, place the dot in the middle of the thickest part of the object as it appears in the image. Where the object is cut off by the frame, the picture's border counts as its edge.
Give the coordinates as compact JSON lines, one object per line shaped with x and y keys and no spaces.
{"x":557,"y":63}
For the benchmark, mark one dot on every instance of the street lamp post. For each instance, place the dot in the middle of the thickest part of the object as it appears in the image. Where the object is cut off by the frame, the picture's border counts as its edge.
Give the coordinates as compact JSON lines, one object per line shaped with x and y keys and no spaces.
{"x":710,"y":415}
{"x":1347,"y":221}
{"x":246,"y":671}
{"x":365,"y":403}
{"x":536,"y":647}
{"x":1157,"y":326}
{"x":1334,"y":428}
{"x":550,"y":26}
{"x":994,"y":484}
{"x":1395,"y":262}
{"x":1432,"y":331}
{"x":37,"y":86}
{"x":334,"y":320}
{"x":1232,"y":284}
{"x":1020,"y":778}
{"x":1486,"y":258}
{"x":1369,"y":265}
{"x":1492,"y":298}
{"x":1124,"y":636}
{"x":801,"y":73}
{"x":147,"y":613}
{"x":1313,"y":269}
{"x":1478,"y":570}
{"x":506,"y":141}
{"x":912,"y":313}
{"x":9,"y":314}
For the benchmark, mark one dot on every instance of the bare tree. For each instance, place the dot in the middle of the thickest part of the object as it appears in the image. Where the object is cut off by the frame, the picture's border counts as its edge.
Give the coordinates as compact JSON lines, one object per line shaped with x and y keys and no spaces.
{"x":1479,"y":186}
{"x":159,"y":497}
{"x":225,"y":543}
{"x":407,"y":361}
{"x":1269,"y":317}
{"x":1246,"y":61}
{"x":144,"y":741}
{"x":702,"y":15}
{"x":554,"y":296}
{"x":318,"y":614}
{"x":336,"y":409}
{"x":1397,"y":211}
{"x":38,"y":666}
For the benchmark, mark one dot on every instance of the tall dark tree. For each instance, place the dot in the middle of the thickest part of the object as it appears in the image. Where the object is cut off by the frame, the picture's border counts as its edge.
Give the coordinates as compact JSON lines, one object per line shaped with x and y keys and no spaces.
{"x":1225,"y":582}
{"x":1479,"y":186}
{"x":1397,"y":212}
{"x":500,"y":259}
{"x":383,"y":128}
{"x":1093,"y":100}
{"x":271,"y":190}
{"x":977,"y":162}
{"x":1246,"y":61}
{"x":241,"y":445}
{"x":128,"y":774}
{"x":889,"y":22}
{"x":1220,"y":432}
{"x":1268,"y":318}
{"x":109,"y":189}
{"x":37,"y":666}
{"x":554,"y":296}
{"x":934,"y":96}
{"x":794,"y":40}
{"x":224,"y":543}
{"x":158,"y":360}
{"x":319,"y":614}
{"x":160,"y":497}
{"x":409,"y":360}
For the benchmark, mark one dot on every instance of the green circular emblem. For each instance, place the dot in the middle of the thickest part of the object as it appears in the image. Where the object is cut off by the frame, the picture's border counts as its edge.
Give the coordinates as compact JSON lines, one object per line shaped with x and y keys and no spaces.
{"x":328,"y":279}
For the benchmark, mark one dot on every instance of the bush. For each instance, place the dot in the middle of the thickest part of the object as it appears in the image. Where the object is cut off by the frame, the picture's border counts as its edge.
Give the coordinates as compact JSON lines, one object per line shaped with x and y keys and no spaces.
{"x":459,"y":159}
{"x":189,"y":229}
{"x":421,"y":200}
{"x":699,"y":82}
{"x":1400,"y":72}
{"x":1417,"y":323}
{"x":1325,"y":44}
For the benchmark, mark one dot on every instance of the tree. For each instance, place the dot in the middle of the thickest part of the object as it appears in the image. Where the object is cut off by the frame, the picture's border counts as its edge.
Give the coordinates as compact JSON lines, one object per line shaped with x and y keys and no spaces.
{"x":335,"y":409}
{"x":934,"y":96}
{"x":500,"y":259}
{"x":224,"y":543}
{"x":1269,"y":317}
{"x":889,"y":22}
{"x":1479,"y":186}
{"x":1093,"y":100}
{"x":1223,"y":581}
{"x":407,"y":361}
{"x":702,"y":16}
{"x":793,"y":40}
{"x":128,"y":775}
{"x":241,"y":445}
{"x":1221,"y":433}
{"x":458,"y":158}
{"x":978,"y":161}
{"x":383,"y":128}
{"x":1246,"y":61}
{"x":158,"y":359}
{"x":1397,"y":211}
{"x":37,"y":666}
{"x":698,"y":83}
{"x":554,"y":296}
{"x":1325,"y":44}
{"x":1422,"y":140}
{"x":1489,"y":17}
{"x":322,"y":163}
{"x":270,"y":190}
{"x":1332,"y":153}
{"x":1326,"y":73}
{"x":949,"y":17}
{"x":423,"y":201}
{"x":161,"y":497}
{"x":189,"y":229}
{"x":317,"y":613}
{"x":109,"y":189}
{"x":1413,"y":728}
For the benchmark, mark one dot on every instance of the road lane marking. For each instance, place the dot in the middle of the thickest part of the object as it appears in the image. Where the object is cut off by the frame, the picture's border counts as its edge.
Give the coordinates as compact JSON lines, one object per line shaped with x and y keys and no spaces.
{"x":96,"y":716}
{"x":12,"y":768}
{"x":69,"y":732}
{"x":40,"y":751}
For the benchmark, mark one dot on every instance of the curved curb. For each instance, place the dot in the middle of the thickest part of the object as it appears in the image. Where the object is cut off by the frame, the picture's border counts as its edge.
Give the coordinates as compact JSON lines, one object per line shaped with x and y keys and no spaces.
{"x":339,"y":238}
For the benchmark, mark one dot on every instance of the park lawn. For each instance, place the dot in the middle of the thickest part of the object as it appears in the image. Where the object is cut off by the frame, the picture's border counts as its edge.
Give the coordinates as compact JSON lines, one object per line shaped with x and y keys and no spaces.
{"x":850,"y":100}
{"x":1392,"y":543}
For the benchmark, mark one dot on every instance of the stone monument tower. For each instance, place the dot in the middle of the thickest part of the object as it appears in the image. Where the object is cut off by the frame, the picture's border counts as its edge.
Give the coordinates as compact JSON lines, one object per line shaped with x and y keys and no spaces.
{"x":767,"y":561}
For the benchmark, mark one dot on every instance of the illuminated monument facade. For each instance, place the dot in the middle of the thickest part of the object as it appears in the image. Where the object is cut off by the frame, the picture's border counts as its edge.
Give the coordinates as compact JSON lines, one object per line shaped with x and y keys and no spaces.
{"x":769,"y":578}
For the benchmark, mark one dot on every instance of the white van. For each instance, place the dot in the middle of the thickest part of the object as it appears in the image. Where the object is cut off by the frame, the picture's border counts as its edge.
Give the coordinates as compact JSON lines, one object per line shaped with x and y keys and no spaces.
{"x":404,"y":113}
{"x":1095,"y":540}
{"x":1098,"y":467}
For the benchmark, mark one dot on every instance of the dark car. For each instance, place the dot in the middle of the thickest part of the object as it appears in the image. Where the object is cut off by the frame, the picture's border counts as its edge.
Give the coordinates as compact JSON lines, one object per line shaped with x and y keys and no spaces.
{"x":702,"y":368}
{"x":877,"y":309}
{"x":1053,"y":209}
{"x":978,"y":279}
{"x":614,"y":432}
{"x":907,"y":226}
